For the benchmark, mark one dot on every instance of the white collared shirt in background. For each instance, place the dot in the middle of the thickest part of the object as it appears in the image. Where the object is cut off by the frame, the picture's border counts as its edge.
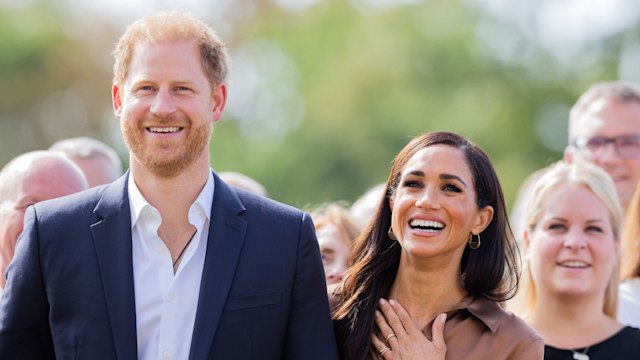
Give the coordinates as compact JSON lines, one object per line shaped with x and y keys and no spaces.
{"x":166,"y":303}
{"x":629,"y":302}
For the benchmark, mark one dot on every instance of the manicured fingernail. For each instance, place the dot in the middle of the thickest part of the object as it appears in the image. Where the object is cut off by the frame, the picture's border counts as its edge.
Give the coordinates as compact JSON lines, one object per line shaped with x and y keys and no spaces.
{"x":382,"y":301}
{"x":442,"y":317}
{"x":392,"y":302}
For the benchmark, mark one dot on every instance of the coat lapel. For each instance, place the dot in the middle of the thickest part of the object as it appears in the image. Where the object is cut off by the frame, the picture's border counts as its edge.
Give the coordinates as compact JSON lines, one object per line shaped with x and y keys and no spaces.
{"x":226,"y":236}
{"x":112,"y":239}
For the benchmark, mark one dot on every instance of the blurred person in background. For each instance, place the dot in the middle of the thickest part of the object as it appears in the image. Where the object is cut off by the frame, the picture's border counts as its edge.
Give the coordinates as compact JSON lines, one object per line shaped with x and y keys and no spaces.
{"x":434,"y":264}
{"x":629,"y":290}
{"x":244,"y":182}
{"x":366,"y":205}
{"x":570,"y":287}
{"x":99,"y":162}
{"x":336,"y":231}
{"x":523,"y":197}
{"x":167,"y":261}
{"x":27,"y":179}
{"x":604,"y":128}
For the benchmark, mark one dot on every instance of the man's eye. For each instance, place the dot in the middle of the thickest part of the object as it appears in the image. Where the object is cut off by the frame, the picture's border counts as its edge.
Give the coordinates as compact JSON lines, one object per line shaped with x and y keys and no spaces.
{"x":595,"y":143}
{"x":629,"y":142}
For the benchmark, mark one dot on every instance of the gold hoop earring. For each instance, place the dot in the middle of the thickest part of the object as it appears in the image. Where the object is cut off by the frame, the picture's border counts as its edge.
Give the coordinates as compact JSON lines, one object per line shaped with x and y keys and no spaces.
{"x":474,"y":245}
{"x":392,"y":236}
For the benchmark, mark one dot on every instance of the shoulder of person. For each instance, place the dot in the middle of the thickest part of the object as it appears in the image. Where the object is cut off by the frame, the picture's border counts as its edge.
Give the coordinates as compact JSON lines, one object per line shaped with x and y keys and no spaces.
{"x":631,"y":286}
{"x":508,"y":323}
{"x":80,"y":202}
{"x":269,"y":207}
{"x":630,"y":333}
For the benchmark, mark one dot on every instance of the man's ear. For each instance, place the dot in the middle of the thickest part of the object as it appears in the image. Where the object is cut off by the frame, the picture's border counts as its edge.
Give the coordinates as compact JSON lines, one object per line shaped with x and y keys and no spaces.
{"x":219,"y":100}
{"x":116,"y":99}
{"x":569,"y":154}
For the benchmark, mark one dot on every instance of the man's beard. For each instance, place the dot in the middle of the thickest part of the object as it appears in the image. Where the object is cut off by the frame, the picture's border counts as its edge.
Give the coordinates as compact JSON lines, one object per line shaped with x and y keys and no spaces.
{"x":167,"y":166}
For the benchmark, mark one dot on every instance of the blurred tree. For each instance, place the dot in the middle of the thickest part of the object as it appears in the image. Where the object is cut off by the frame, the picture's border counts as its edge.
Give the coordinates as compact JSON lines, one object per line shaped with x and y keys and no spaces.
{"x":372,"y":81}
{"x":52,"y":87}
{"x":323,"y":93}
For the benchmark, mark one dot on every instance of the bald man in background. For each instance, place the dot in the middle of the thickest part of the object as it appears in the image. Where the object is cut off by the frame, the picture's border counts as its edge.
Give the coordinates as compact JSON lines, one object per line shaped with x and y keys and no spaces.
{"x":27,"y":179}
{"x":99,"y":162}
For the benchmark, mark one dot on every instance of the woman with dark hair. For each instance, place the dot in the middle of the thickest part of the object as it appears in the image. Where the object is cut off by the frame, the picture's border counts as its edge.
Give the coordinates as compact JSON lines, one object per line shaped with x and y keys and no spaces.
{"x":440,"y":249}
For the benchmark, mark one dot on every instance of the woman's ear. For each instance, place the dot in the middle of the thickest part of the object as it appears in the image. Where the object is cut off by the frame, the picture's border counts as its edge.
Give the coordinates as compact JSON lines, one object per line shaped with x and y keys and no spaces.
{"x":526,"y":242}
{"x":483,"y":219}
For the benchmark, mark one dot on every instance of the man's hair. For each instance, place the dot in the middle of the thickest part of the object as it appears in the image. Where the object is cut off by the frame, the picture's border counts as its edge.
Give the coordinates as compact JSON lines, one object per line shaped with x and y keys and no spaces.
{"x":242,"y":181}
{"x":171,"y":26}
{"x":620,"y":91}
{"x":86,"y":147}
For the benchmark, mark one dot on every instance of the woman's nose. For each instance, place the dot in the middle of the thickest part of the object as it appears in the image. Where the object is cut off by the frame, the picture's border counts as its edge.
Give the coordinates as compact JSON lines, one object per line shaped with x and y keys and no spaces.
{"x":575,"y":240}
{"x":335,"y":274}
{"x":428,"y":199}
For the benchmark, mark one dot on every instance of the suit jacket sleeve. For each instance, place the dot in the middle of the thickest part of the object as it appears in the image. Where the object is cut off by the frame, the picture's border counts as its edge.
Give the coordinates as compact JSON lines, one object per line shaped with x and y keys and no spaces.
{"x":310,"y":331}
{"x":24,"y":325}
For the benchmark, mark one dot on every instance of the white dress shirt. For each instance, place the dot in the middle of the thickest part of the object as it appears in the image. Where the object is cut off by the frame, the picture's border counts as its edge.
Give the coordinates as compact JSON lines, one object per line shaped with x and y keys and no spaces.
{"x":166,"y":302}
{"x":629,"y":302}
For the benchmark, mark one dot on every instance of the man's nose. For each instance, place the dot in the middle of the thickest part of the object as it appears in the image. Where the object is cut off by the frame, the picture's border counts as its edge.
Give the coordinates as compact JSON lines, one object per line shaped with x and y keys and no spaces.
{"x":163,"y":104}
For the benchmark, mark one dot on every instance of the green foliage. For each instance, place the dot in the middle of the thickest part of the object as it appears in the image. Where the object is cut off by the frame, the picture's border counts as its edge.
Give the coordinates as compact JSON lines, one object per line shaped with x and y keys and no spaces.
{"x":370,"y":79}
{"x":373,"y":81}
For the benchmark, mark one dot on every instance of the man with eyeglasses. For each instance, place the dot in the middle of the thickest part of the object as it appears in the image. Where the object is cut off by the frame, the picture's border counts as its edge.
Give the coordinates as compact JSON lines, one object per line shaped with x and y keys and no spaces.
{"x":604,"y":128}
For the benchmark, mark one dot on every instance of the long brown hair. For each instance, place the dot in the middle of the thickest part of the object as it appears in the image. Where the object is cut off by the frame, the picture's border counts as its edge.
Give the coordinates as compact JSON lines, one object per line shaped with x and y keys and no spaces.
{"x":492,"y":270}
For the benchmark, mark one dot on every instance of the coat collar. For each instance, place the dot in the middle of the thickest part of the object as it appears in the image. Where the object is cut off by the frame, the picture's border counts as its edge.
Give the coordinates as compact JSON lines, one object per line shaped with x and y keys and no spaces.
{"x":226,"y":237}
{"x":112,"y":239}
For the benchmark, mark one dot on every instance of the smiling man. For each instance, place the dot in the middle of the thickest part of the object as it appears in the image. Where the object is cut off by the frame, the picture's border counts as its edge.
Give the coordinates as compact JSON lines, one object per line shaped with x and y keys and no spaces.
{"x":604,"y":128}
{"x":168,"y":261}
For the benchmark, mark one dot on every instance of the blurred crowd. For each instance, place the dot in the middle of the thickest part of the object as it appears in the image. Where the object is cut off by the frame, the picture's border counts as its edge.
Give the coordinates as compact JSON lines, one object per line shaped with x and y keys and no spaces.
{"x":429,"y":264}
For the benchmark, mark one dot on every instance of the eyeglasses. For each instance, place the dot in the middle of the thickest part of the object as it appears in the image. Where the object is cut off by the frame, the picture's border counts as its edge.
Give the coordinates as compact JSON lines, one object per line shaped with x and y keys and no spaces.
{"x":626,"y":146}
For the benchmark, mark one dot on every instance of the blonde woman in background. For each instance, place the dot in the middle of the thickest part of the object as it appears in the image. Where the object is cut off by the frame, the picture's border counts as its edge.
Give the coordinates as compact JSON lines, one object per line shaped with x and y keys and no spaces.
{"x":570,"y":277}
{"x":629,"y":295}
{"x":336,"y":231}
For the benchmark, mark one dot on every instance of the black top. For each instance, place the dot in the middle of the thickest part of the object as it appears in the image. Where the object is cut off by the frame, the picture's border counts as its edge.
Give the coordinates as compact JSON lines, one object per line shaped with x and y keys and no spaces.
{"x":625,"y":344}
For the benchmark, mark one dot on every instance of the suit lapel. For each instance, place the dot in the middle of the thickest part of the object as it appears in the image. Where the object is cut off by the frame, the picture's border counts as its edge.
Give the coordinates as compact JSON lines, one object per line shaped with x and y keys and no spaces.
{"x":112,"y":239}
{"x":226,"y":236}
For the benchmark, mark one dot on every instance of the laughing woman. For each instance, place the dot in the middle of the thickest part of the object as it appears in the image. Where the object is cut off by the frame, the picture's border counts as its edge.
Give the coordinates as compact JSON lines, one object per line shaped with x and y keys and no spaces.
{"x":571,"y":273}
{"x":434,"y":264}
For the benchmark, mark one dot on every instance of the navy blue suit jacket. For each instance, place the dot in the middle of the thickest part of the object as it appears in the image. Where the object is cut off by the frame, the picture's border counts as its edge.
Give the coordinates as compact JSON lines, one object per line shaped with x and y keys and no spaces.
{"x":70,"y":291}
